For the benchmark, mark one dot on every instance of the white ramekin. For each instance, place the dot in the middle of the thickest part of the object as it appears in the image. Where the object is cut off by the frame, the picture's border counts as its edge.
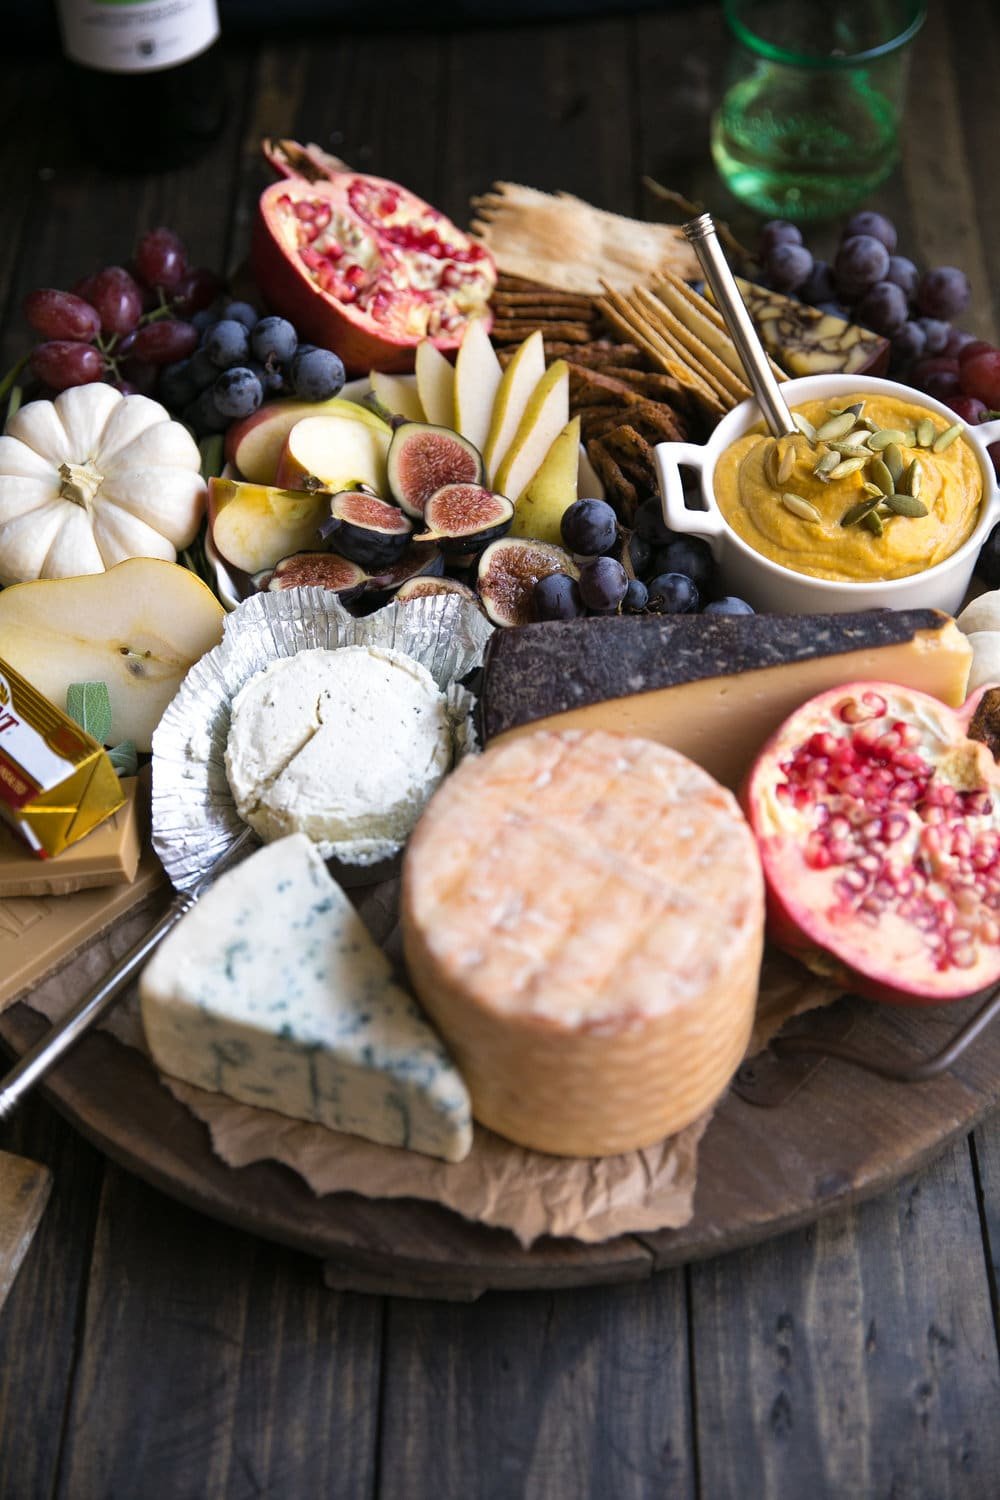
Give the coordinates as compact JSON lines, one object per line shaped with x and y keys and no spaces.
{"x":770,"y":585}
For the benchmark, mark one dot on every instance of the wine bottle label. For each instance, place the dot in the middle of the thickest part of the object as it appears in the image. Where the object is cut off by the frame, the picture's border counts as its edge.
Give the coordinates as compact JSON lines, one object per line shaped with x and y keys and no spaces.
{"x":136,"y":36}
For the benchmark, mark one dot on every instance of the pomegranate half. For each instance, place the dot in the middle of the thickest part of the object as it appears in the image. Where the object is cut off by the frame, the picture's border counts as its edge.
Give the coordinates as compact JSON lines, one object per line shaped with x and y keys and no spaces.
{"x":362,"y":266}
{"x":878,"y":823}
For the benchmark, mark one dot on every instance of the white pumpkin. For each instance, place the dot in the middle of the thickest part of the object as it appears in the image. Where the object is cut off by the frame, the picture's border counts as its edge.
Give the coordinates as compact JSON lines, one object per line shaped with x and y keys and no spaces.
{"x":93,"y":478}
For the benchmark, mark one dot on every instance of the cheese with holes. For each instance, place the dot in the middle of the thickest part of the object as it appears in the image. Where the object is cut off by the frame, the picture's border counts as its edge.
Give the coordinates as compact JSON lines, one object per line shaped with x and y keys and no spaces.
{"x":713,"y":687}
{"x":272,"y":991}
{"x":583,"y":919}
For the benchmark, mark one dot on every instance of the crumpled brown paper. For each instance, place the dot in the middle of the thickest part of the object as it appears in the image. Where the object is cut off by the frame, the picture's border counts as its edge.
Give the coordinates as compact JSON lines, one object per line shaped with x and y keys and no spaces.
{"x":499,"y":1184}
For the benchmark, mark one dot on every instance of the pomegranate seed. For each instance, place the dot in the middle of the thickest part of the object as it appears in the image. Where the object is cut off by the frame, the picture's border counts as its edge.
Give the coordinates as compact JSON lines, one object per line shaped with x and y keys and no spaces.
{"x":894,"y":827}
{"x":977,"y":804}
{"x":888,"y":744}
{"x":875,"y":703}
{"x":817,"y":854}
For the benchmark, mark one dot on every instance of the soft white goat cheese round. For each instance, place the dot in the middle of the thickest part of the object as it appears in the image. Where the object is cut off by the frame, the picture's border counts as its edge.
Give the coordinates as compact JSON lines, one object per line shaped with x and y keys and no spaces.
{"x":344,"y":746}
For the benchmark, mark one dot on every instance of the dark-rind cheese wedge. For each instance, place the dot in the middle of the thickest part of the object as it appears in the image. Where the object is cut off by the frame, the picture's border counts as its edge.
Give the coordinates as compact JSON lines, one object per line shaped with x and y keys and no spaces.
{"x":713,"y":687}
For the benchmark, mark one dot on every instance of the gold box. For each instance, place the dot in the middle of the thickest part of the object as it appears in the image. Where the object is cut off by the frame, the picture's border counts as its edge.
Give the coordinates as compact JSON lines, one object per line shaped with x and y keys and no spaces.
{"x":56,"y":782}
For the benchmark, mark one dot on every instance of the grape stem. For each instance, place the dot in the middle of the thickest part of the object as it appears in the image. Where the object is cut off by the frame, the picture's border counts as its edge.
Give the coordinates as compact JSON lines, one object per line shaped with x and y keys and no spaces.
{"x":13,"y":405}
{"x":10,"y":379}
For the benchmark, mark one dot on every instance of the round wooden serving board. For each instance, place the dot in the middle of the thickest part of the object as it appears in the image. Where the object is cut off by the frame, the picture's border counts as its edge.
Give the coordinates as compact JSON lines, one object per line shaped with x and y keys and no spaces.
{"x":839,"y":1135}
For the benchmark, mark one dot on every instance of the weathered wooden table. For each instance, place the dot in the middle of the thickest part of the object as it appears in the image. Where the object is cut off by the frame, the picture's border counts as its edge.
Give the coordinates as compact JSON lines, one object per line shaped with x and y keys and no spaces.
{"x":146,"y":1351}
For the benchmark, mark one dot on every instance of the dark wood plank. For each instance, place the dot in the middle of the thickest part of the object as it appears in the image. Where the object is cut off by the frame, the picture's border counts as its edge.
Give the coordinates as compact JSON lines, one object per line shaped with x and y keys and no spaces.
{"x":856,"y":1358}
{"x":550,"y":106}
{"x":974,"y":55}
{"x":213,"y":1365}
{"x":38,"y":1338}
{"x":986,"y":1161}
{"x":575,"y":1394}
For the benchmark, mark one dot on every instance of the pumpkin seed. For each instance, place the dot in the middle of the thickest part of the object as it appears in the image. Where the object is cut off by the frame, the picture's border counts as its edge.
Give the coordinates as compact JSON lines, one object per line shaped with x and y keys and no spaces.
{"x":879,"y":472}
{"x":893,"y":458}
{"x":857,"y":408}
{"x":884,"y":437}
{"x":868,"y":424}
{"x":786,"y":464}
{"x":771,"y":463}
{"x":823,"y":465}
{"x":905,"y":505}
{"x":913,"y":479}
{"x":909,"y":438}
{"x":836,"y":427}
{"x":873,"y":521}
{"x":800,"y":507}
{"x":945,"y":439}
{"x":849,"y":447}
{"x":804,"y":426}
{"x":847,"y":466}
{"x":925,"y":432}
{"x":863,"y":508}
{"x":873,"y":489}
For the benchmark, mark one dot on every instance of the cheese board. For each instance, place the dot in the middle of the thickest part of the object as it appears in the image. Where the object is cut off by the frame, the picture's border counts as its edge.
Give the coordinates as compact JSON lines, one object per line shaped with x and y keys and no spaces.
{"x":461,"y":643}
{"x":838,"y":1137}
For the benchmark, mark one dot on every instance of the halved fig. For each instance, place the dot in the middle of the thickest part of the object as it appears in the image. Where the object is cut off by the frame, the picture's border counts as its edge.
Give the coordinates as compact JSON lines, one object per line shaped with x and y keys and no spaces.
{"x":465,"y":517}
{"x":317,"y":570}
{"x":422,"y":588}
{"x":878,"y":823}
{"x":365,"y":529}
{"x":422,"y":459}
{"x":421,"y":559}
{"x":507,"y":574}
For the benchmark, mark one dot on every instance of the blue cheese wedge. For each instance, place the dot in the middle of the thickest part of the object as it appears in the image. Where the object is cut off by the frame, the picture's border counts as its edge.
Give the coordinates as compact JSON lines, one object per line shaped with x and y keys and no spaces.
{"x":272,"y":991}
{"x":345,"y":746}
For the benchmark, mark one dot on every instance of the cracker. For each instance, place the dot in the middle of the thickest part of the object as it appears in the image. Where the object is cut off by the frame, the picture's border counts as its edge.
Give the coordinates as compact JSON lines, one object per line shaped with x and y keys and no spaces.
{"x":586,"y":385}
{"x":566,"y":333}
{"x":633,"y":455}
{"x":625,"y":317}
{"x":543,"y":296}
{"x":692,"y":349}
{"x":621,"y":492}
{"x":703,"y":317}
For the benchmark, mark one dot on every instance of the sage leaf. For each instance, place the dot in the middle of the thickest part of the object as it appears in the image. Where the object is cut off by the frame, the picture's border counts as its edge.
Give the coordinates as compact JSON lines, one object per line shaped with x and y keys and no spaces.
{"x":125,"y":758}
{"x":90,"y":705}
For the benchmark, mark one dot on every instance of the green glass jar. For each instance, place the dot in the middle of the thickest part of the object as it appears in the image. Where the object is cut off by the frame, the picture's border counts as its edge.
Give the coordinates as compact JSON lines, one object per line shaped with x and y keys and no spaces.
{"x":809,"y":121}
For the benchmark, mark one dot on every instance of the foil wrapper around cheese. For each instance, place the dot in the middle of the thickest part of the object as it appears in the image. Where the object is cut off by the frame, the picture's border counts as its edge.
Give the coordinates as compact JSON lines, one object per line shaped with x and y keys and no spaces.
{"x":56,"y":781}
{"x":194,"y":815}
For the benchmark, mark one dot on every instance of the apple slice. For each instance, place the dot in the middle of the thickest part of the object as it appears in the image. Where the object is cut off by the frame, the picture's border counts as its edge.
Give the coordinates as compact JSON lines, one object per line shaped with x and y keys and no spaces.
{"x":138,"y":627}
{"x":397,"y":395}
{"x":519,"y":380}
{"x":331,"y":454}
{"x":477,"y":380}
{"x":255,"y":525}
{"x":545,"y":416}
{"x":551,"y":491}
{"x":254,"y":445}
{"x":435,"y":385}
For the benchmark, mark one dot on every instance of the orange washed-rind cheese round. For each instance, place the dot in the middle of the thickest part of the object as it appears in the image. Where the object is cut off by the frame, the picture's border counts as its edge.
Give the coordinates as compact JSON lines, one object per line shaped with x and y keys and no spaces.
{"x":583,"y":918}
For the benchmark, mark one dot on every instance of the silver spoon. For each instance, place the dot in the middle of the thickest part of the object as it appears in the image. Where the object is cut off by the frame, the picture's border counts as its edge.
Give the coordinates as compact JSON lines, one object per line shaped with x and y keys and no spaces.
{"x":701,"y":233}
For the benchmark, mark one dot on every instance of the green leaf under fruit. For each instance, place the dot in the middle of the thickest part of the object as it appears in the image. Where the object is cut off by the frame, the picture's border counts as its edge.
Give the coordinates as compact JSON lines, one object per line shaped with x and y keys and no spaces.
{"x":125,"y":758}
{"x":90,"y":705}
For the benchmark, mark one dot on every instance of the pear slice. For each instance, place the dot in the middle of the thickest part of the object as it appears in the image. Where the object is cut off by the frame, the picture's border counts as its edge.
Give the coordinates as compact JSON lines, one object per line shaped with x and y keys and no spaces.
{"x":333,"y":455}
{"x":545,"y":416}
{"x":518,"y":382}
{"x":254,"y":445}
{"x":253,"y":526}
{"x":138,"y":628}
{"x":397,"y":395}
{"x":435,"y":385}
{"x":552,"y":489}
{"x":477,"y":380}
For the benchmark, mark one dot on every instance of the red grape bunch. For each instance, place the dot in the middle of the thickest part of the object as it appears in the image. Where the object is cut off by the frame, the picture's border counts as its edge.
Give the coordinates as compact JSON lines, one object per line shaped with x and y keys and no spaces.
{"x":120,"y":324}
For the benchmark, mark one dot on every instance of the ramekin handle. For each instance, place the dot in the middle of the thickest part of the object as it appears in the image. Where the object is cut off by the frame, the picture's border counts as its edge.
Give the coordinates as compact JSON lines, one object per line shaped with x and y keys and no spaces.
{"x":669,"y":459}
{"x":988,"y":432}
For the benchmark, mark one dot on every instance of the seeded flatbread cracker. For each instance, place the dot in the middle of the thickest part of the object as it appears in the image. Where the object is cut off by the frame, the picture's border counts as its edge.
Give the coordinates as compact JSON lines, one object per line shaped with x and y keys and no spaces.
{"x":567,"y":333}
{"x":559,"y":239}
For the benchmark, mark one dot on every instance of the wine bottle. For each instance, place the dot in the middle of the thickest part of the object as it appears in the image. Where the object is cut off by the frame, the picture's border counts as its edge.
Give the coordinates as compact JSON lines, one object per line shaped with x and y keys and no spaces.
{"x":147,"y":79}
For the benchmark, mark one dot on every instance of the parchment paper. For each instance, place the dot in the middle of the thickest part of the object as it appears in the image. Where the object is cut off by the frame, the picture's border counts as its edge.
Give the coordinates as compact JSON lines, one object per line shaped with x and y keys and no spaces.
{"x":499,"y":1184}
